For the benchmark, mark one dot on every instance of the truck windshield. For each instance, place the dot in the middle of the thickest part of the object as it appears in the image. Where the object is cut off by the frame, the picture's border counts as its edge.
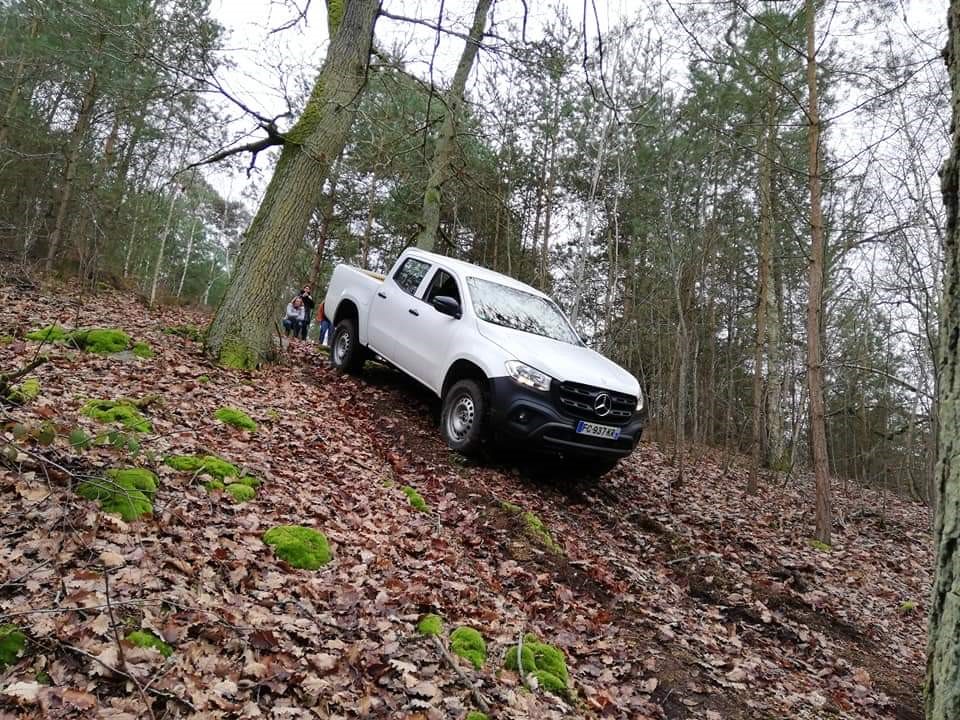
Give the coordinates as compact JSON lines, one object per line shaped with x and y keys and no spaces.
{"x":513,"y":308}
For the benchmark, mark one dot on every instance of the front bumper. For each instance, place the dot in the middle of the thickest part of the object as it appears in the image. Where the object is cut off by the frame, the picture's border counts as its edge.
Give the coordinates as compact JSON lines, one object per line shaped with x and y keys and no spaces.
{"x":523,"y":415}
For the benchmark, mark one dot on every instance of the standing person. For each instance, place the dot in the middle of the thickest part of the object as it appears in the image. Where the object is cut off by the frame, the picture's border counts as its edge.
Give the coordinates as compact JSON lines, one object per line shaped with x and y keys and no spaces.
{"x":308,"y":305}
{"x":293,"y":322}
{"x":325,"y":326}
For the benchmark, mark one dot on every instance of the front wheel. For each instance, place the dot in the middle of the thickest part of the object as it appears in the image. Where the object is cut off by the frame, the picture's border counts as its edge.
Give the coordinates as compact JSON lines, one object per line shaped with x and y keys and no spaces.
{"x":346,"y":353}
{"x":463,"y":417}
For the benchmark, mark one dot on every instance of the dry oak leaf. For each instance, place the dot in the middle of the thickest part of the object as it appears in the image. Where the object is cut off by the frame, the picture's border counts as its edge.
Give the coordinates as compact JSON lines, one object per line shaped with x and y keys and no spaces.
{"x":111,"y":559}
{"x":23,"y":693}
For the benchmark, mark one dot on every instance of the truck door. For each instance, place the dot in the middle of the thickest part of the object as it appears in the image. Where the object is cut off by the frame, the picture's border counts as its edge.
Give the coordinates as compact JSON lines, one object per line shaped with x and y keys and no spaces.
{"x":422,"y":343}
{"x":390,"y":304}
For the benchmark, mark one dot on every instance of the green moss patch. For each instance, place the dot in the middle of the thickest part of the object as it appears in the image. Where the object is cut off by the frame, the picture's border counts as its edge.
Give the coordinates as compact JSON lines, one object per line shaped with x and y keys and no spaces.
{"x":126,"y":492}
{"x":907,"y":607}
{"x":237,"y":356}
{"x":416,"y":500}
{"x":476,"y":715}
{"x":818,"y":545}
{"x":469,"y":644}
{"x":100,"y":340}
{"x":123,"y":412}
{"x":545,"y":662}
{"x":146,"y":639}
{"x":214,"y":485}
{"x":236,"y":418}
{"x":533,"y":527}
{"x":430,"y":625}
{"x":51,"y":333}
{"x":143,"y":350}
{"x":240,"y":493}
{"x":210,"y":465}
{"x":25,"y":392}
{"x":299,"y":546}
{"x":12,"y":644}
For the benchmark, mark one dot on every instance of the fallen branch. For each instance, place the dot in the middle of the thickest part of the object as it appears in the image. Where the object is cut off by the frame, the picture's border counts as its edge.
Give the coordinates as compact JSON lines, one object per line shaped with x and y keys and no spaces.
{"x":445,"y":654}
{"x":7,"y":379}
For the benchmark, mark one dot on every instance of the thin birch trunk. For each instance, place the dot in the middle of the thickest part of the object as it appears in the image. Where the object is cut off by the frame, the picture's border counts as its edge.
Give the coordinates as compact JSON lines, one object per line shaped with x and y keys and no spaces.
{"x":160,"y":251}
{"x":186,"y":259}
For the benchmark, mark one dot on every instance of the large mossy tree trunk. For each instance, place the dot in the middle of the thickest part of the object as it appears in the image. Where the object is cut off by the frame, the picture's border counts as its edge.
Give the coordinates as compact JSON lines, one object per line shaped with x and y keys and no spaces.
{"x":240,"y":335}
{"x":943,"y":650}
{"x":440,"y":165}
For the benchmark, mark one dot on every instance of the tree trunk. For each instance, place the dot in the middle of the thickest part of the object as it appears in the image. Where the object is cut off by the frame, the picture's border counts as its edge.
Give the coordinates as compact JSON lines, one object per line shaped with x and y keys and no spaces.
{"x":764,"y":262}
{"x":186,"y":258}
{"x":440,"y":165}
{"x":943,"y":649}
{"x":818,"y":430}
{"x":241,"y":332}
{"x":74,"y":145}
{"x":16,"y":87}
{"x":162,"y":248}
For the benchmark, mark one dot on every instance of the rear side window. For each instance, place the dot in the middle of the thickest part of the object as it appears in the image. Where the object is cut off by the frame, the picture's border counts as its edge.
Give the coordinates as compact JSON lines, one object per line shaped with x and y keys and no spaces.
{"x":410,"y":274}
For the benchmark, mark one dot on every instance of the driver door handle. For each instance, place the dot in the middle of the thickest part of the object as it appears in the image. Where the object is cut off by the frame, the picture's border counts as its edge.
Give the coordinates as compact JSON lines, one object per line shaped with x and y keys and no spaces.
{"x":382,"y":295}
{"x":414,"y":312}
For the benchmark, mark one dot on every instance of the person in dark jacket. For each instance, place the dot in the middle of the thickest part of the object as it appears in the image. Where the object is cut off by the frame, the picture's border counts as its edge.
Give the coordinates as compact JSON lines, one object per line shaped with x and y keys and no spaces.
{"x":308,"y":305}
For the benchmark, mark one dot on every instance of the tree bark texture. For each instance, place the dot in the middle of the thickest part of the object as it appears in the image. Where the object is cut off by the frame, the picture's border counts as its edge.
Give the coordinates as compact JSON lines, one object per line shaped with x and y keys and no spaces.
{"x":241,"y":332}
{"x":440,"y":165}
{"x":818,"y":430}
{"x":72,"y":158}
{"x":943,"y":649}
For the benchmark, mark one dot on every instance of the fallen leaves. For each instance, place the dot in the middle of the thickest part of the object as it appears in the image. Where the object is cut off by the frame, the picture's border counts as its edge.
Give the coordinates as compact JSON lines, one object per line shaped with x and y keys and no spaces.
{"x":712,"y":607}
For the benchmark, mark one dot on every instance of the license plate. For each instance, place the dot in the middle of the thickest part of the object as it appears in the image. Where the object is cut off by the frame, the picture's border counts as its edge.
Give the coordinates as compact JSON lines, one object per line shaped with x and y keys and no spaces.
{"x":600,"y":431}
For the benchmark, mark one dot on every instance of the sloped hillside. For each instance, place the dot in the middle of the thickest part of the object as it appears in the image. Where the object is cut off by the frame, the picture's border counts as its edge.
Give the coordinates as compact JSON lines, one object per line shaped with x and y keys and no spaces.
{"x":689,"y":601}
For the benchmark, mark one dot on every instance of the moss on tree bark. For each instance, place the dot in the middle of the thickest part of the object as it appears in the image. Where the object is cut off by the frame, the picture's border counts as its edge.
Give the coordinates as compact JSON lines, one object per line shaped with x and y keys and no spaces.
{"x":240,"y":335}
{"x":943,"y":650}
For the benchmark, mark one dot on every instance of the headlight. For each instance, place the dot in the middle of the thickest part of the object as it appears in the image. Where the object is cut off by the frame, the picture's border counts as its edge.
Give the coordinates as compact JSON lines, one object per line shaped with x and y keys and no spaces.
{"x":639,"y":401}
{"x":527,"y":376}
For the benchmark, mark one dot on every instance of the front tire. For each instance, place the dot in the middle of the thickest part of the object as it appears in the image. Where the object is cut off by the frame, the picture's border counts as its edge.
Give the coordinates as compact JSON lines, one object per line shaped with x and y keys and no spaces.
{"x":463,"y":417}
{"x":346,"y":353}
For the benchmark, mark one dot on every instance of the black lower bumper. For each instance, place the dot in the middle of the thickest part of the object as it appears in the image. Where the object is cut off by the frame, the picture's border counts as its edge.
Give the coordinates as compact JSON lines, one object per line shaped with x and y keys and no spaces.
{"x":527,"y":416}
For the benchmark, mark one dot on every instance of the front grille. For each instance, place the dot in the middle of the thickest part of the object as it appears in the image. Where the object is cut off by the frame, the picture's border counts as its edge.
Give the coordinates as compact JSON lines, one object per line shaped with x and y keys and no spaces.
{"x":580,"y":400}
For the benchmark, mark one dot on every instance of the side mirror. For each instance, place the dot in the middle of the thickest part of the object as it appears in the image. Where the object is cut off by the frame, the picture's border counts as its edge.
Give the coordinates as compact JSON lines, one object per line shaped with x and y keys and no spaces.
{"x":447,"y":305}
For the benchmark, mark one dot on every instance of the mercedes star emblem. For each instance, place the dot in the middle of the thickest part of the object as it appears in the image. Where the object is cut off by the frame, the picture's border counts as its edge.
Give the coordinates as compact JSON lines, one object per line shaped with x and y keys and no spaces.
{"x":602,"y":404}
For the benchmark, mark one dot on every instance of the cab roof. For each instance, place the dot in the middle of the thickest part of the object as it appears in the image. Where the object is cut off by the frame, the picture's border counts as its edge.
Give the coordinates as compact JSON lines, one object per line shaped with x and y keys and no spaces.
{"x":465,"y":269}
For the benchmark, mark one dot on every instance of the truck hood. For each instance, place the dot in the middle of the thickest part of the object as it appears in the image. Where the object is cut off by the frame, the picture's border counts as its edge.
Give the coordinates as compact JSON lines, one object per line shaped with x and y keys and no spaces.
{"x":560,"y":360}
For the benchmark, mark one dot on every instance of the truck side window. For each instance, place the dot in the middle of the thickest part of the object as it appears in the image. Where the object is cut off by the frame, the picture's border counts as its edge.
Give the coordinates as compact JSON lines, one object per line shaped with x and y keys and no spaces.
{"x":442,"y":284}
{"x":409,"y":275}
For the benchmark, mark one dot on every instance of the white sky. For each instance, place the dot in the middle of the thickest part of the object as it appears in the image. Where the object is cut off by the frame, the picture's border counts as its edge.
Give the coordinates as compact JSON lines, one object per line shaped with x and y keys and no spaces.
{"x":269,"y":67}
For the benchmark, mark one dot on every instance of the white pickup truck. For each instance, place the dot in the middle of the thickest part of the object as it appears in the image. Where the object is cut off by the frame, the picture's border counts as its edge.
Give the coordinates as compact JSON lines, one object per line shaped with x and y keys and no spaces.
{"x":501,"y":356}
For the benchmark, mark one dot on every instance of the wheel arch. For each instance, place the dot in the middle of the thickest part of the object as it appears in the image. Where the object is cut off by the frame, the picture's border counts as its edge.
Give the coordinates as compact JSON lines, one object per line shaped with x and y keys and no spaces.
{"x":346,"y":309}
{"x":464,"y":369}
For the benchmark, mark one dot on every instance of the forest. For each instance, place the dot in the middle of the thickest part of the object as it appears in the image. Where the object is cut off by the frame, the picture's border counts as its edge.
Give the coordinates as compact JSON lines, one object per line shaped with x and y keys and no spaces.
{"x":749,"y":205}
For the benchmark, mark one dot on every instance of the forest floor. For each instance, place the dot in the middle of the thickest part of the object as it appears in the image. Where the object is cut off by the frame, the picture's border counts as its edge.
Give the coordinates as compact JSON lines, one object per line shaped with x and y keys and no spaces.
{"x":669,"y":601}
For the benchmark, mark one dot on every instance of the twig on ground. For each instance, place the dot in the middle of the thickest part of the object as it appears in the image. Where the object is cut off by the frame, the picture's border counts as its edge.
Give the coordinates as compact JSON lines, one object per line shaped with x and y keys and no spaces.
{"x":120,"y":654}
{"x":27,"y":574}
{"x":477,"y":696}
{"x":523,"y":673}
{"x":153,"y":691}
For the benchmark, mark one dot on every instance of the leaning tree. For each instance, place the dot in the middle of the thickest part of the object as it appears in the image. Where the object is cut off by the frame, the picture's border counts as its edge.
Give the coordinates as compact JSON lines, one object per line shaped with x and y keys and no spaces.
{"x":241,"y":332}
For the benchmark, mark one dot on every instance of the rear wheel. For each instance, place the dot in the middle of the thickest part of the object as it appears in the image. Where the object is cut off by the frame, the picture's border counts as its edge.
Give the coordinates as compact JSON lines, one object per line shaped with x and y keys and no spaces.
{"x":346,"y":353}
{"x":463,"y":417}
